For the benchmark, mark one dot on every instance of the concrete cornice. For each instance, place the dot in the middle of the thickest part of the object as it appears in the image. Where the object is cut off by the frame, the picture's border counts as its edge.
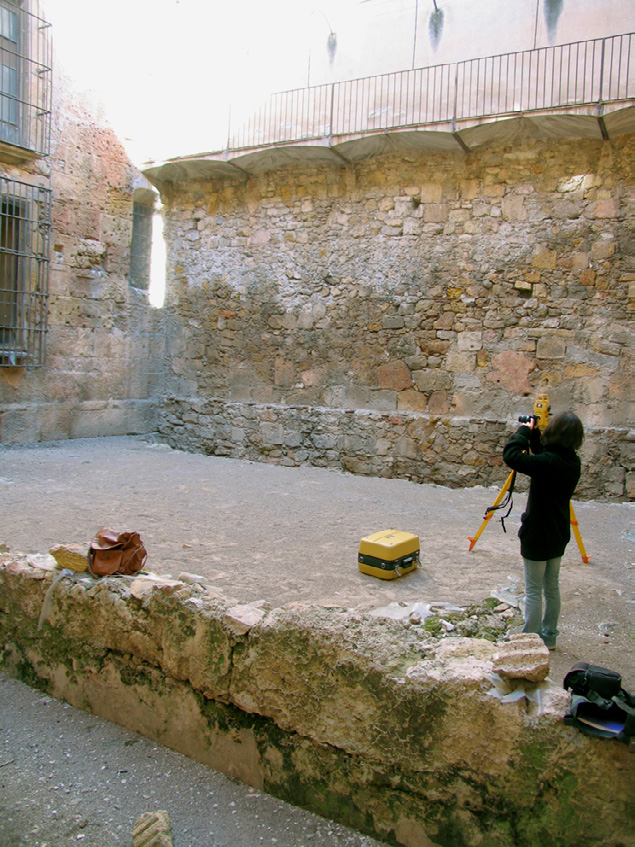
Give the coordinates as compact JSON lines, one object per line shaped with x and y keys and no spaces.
{"x":342,"y":151}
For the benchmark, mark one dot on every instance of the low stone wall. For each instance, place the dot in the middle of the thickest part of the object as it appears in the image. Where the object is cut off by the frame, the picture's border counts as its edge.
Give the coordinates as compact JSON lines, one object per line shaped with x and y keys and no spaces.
{"x":443,"y":450}
{"x":368,"y":721}
{"x":25,"y":423}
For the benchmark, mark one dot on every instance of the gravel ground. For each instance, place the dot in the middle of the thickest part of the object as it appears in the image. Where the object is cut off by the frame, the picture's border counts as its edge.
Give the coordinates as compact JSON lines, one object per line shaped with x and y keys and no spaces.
{"x":67,"y":777}
{"x":257,"y":532}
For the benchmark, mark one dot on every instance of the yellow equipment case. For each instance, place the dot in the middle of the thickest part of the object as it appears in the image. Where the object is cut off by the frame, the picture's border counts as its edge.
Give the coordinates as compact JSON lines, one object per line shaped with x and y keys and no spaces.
{"x":389,"y":553}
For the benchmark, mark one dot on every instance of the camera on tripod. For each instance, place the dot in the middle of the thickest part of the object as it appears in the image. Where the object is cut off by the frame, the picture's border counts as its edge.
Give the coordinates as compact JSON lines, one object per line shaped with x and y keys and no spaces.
{"x":541,"y":415}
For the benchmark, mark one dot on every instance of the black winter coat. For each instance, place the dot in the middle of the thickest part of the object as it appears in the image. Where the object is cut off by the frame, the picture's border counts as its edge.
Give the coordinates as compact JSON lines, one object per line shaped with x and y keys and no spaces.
{"x":554,"y":472}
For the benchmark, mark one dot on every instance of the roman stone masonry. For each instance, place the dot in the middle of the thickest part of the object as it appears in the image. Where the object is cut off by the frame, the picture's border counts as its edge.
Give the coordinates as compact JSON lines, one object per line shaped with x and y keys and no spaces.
{"x":104,"y":363}
{"x":395,"y":316}
{"x":416,"y":738}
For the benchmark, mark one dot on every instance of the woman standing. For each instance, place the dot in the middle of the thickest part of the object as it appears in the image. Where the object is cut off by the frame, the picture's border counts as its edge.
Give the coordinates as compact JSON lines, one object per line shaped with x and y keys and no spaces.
{"x":553,"y":466}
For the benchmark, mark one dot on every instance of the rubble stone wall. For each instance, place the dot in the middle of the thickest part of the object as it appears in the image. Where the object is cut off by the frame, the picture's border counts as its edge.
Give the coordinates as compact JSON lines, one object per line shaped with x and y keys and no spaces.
{"x":104,"y":364}
{"x":365,"y":720}
{"x":443,"y":450}
{"x":436,"y":293}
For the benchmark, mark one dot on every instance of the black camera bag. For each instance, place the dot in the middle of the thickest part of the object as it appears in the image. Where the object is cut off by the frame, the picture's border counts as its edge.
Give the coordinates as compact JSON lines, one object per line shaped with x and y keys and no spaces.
{"x":584,"y":678}
{"x":599,"y":704}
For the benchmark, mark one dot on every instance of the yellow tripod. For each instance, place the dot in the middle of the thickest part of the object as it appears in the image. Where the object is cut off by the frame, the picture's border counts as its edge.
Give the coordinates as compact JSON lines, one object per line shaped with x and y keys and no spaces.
{"x":542,"y":410}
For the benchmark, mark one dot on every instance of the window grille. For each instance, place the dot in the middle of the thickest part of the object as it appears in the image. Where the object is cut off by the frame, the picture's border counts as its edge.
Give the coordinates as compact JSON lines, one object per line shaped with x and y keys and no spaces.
{"x":25,"y":81}
{"x":141,"y":245}
{"x":25,"y":220}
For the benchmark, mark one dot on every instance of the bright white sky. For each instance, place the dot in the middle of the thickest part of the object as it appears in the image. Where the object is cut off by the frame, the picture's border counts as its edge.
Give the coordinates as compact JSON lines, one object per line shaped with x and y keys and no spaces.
{"x":166,"y":70}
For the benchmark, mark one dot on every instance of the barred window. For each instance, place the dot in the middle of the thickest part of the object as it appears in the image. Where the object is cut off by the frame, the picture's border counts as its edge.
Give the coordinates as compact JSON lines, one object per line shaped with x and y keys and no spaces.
{"x":25,"y":217}
{"x":25,"y":81}
{"x":9,"y":73}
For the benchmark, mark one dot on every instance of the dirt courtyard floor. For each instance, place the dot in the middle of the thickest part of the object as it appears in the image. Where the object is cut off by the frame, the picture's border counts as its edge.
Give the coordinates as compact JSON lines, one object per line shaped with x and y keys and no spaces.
{"x":285,"y":535}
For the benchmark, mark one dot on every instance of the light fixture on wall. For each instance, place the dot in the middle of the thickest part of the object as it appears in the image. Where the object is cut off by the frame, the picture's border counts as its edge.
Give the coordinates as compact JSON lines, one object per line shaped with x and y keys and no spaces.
{"x":435,"y":25}
{"x":331,"y":43}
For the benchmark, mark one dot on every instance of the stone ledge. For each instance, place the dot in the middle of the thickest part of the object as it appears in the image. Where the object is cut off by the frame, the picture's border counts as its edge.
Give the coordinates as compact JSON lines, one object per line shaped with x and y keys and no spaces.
{"x":439,"y":449}
{"x":415,"y":740}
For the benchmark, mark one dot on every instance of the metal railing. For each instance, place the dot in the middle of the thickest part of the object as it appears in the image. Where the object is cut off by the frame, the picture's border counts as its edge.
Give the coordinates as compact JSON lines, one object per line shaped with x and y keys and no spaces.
{"x":584,"y":73}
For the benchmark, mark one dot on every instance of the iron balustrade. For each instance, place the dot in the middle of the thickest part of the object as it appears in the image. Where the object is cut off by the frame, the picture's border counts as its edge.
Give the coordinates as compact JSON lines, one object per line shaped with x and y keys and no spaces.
{"x":581,"y":74}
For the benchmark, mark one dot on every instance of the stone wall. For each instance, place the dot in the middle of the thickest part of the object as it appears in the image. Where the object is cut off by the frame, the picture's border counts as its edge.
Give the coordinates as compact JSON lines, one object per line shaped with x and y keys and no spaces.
{"x":434,"y":293}
{"x":373,"y":722}
{"x":104,"y":364}
{"x":444,"y":450}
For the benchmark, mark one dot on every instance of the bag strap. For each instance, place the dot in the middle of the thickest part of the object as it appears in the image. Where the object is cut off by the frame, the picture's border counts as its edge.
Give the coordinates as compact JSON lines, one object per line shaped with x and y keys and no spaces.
{"x":507,"y":500}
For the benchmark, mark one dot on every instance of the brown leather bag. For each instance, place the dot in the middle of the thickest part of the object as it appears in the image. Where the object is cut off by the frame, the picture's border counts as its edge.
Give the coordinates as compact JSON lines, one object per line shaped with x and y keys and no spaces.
{"x":113,"y":552}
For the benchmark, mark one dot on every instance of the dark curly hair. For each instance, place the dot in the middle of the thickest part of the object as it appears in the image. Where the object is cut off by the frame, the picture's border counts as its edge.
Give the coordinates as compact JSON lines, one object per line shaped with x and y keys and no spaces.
{"x":564,"y":430}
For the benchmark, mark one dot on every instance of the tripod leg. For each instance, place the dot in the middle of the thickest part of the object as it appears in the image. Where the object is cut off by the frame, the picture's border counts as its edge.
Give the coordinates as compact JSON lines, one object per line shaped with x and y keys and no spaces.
{"x":578,"y":537}
{"x":490,"y":511}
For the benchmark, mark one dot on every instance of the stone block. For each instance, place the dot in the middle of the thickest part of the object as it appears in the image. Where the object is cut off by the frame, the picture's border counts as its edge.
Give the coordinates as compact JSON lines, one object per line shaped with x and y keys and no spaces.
{"x":393,"y":322}
{"x":513,"y":209}
{"x":18,"y":426}
{"x":438,"y":403}
{"x":522,"y":285}
{"x":153,"y":829}
{"x":71,"y":556}
{"x":493,"y":190}
{"x":579,"y":261}
{"x":383,"y":401}
{"x":394,"y":376}
{"x":511,"y":370}
{"x":142,"y":587}
{"x":93,"y":423}
{"x":406,"y":448}
{"x":272,"y":434}
{"x":436,"y":213}
{"x":460,"y":362}
{"x":431,"y":192}
{"x":524,"y":656}
{"x":603,"y":249}
{"x":284,"y":373}
{"x":470,"y":341}
{"x":356,"y":397}
{"x":324,"y":441}
{"x":56,"y":421}
{"x":240,"y":619}
{"x":412,"y":401}
{"x":237,"y":435}
{"x":543,"y":258}
{"x":551,"y":347}
{"x":605,"y":208}
{"x":469,"y":189}
{"x":312,"y":377}
{"x":432,"y":379}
